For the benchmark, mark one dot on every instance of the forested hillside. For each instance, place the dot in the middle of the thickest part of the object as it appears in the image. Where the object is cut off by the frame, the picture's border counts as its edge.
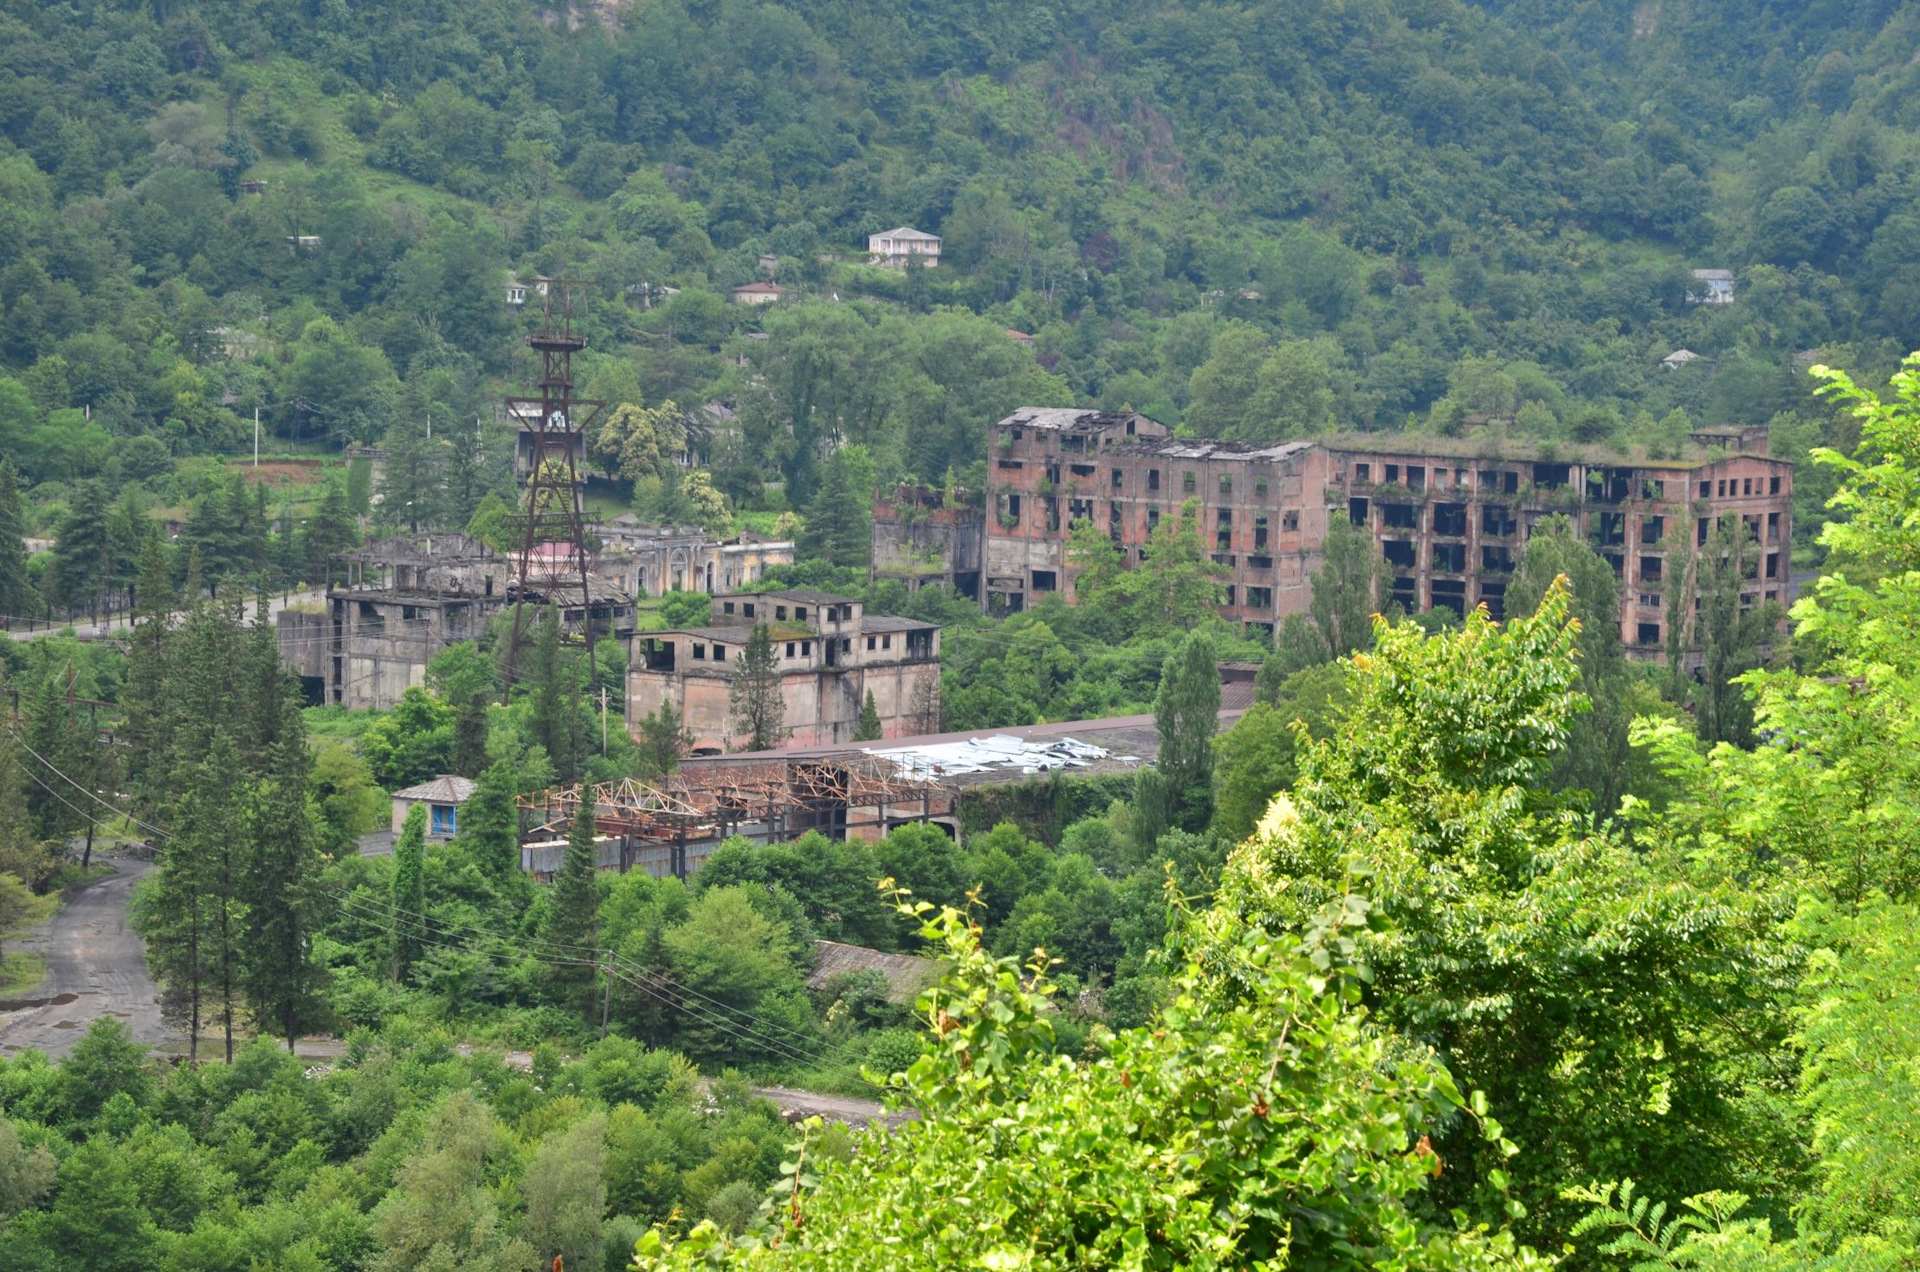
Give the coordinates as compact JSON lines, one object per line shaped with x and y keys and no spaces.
{"x":1467,"y":945}
{"x":1255,"y":219}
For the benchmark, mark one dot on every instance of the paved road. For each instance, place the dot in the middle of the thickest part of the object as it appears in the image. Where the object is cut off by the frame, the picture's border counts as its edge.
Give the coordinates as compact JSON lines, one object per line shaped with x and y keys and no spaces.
{"x":94,"y":968}
{"x":121,"y":624}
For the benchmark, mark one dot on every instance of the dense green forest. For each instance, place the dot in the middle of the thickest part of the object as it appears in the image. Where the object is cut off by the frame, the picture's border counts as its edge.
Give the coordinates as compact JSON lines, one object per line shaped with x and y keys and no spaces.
{"x":1252,"y":221}
{"x":1540,"y":956}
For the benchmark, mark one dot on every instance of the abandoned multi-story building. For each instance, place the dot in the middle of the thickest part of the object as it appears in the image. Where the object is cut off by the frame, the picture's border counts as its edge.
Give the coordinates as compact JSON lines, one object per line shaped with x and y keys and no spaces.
{"x":404,"y":600}
{"x":1451,"y":516}
{"x":831,"y":655}
{"x":921,"y":537}
{"x":646,"y":560}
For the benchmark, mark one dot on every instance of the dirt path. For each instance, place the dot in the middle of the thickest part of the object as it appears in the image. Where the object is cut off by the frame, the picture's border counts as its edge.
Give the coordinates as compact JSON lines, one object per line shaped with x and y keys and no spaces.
{"x":94,"y":968}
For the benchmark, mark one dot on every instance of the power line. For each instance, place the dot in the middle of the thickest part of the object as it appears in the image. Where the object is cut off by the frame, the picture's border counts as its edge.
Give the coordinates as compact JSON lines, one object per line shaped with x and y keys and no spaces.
{"x":708,"y":1010}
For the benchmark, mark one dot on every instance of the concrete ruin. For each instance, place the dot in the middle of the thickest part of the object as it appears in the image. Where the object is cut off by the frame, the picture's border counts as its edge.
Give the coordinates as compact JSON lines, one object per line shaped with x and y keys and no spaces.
{"x":922,"y":539}
{"x":1451,"y":516}
{"x":831,"y":654}
{"x":644,"y":559}
{"x":405,"y":599}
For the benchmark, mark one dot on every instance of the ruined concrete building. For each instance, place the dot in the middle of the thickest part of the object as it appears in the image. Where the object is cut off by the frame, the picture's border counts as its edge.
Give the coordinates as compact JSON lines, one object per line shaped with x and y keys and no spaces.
{"x":1450,"y":515}
{"x":922,"y":538}
{"x":404,"y":600}
{"x":831,"y":655}
{"x":647,"y":560}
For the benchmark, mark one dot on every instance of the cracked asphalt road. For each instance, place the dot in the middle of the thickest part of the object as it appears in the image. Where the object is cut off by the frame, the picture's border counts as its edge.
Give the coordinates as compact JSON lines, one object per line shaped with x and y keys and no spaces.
{"x":95,"y":968}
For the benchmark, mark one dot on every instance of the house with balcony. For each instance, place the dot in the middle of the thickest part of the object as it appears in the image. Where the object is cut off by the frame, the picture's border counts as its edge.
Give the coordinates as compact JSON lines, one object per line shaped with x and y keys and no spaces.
{"x":894,"y":248}
{"x":830,"y":652}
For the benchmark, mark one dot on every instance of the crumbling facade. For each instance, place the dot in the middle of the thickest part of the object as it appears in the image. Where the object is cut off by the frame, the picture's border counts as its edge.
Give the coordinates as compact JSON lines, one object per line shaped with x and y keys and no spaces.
{"x":1453,"y":523}
{"x":1450,"y":516}
{"x":831,"y":654}
{"x":921,"y":538}
{"x":648,"y":560}
{"x":404,"y":600}
{"x":1261,"y":509}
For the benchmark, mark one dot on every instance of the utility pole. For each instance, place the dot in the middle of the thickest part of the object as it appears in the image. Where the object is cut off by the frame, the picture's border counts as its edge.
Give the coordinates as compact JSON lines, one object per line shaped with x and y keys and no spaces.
{"x":256,"y":437}
{"x":603,"y":719}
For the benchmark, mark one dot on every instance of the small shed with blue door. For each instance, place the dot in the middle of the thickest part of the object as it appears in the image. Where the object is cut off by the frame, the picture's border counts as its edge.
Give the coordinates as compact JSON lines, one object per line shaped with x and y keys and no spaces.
{"x":443,"y":797}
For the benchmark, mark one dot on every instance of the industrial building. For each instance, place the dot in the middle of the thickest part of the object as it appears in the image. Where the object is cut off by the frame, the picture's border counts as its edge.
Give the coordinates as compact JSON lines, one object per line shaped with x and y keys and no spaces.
{"x":647,"y":560}
{"x":831,"y":655}
{"x":922,"y":538}
{"x":405,"y":599}
{"x":1451,"y":516}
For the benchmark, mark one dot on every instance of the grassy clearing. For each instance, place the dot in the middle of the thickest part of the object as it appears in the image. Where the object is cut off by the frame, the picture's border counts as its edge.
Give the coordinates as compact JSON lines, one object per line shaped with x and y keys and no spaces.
{"x":20,"y":973}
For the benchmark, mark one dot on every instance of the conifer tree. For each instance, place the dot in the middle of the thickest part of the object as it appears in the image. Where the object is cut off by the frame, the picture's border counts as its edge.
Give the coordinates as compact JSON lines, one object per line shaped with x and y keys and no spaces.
{"x":189,"y":913}
{"x":83,"y":551}
{"x":142,"y":699}
{"x":868,"y":730}
{"x":572,"y":925}
{"x":1186,"y":711}
{"x":470,"y":735}
{"x":409,"y":889}
{"x":553,"y":719}
{"x":17,"y":596}
{"x":53,"y":749}
{"x":332,"y":530}
{"x":280,"y":853}
{"x":489,"y":823}
{"x":664,"y":738}
{"x":839,"y":517}
{"x":758,"y":711}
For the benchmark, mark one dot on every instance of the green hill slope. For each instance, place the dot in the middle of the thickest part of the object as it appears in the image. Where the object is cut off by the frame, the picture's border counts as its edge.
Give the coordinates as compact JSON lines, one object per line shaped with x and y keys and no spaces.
{"x":1414,"y":209}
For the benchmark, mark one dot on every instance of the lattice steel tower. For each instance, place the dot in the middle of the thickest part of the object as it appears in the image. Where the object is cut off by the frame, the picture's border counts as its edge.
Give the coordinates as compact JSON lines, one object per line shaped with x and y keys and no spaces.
{"x":550,"y":565}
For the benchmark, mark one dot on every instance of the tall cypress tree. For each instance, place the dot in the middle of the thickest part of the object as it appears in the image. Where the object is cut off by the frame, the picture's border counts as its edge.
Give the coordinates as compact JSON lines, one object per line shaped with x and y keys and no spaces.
{"x":1186,"y":711}
{"x":573,"y":912}
{"x":470,"y":735}
{"x":409,"y":889}
{"x":489,"y":823}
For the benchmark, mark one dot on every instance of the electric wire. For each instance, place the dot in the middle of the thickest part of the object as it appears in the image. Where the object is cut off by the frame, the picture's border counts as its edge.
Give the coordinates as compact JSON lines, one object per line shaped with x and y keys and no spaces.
{"x":706,"y":1009}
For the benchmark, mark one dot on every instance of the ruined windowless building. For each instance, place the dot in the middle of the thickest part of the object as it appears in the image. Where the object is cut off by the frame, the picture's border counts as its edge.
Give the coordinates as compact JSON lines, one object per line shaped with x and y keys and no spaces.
{"x":1451,"y":516}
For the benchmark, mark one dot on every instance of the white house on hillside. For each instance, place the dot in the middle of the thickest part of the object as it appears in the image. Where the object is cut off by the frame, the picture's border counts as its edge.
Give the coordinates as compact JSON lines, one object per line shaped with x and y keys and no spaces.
{"x":893,"y":247}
